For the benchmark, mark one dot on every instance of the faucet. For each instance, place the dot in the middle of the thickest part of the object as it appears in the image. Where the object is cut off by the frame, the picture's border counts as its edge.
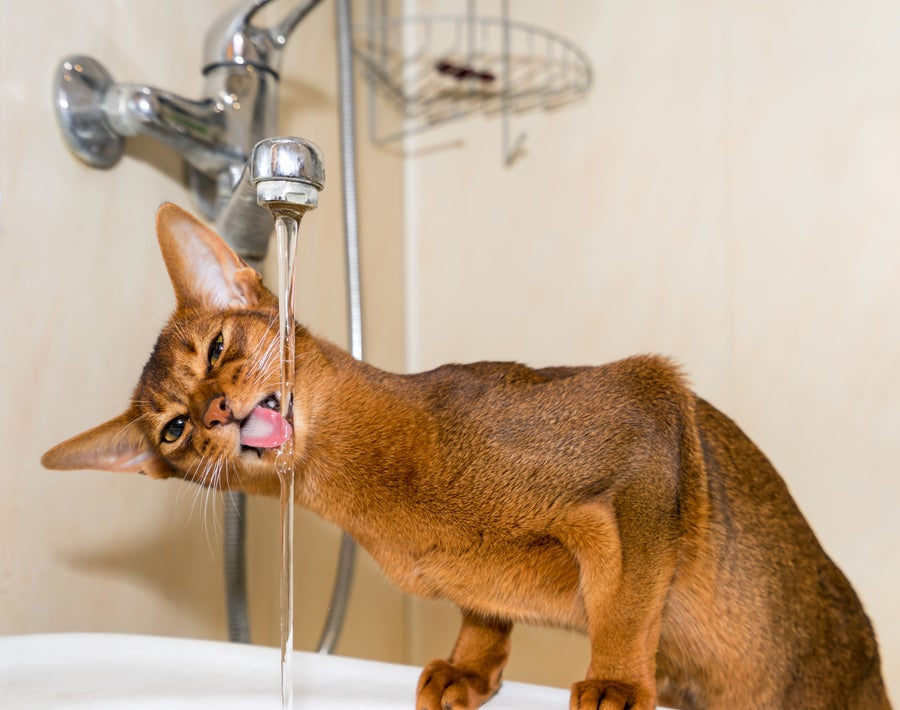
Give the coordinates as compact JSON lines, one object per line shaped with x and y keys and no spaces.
{"x":214,"y":135}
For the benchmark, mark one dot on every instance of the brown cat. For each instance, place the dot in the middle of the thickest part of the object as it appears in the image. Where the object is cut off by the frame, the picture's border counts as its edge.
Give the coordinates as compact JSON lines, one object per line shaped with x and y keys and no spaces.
{"x":608,"y":499}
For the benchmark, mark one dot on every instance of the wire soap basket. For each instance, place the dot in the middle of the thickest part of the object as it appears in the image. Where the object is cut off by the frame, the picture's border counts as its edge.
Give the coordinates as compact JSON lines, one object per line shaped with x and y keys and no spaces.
{"x":433,"y":69}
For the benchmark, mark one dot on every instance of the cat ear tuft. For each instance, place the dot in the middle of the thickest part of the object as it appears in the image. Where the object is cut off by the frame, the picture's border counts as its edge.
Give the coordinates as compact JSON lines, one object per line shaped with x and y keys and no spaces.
{"x":204,"y":270}
{"x":118,"y":445}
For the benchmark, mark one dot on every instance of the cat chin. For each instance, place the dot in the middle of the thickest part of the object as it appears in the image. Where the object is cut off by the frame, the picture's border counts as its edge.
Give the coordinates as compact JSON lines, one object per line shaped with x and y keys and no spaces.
{"x":252,"y":451}
{"x":252,"y":457}
{"x":258,"y":463}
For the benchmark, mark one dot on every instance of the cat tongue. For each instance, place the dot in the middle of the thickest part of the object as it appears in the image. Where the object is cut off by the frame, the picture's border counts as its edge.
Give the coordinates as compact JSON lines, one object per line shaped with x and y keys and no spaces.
{"x":264,"y":429}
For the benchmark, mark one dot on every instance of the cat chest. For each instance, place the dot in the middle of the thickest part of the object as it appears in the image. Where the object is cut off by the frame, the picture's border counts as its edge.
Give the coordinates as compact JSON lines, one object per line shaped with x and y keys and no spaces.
{"x":531,"y":578}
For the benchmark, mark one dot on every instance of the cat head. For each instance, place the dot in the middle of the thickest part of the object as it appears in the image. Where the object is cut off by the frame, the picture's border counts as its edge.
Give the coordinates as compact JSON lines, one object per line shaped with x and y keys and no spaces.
{"x":206,"y":406}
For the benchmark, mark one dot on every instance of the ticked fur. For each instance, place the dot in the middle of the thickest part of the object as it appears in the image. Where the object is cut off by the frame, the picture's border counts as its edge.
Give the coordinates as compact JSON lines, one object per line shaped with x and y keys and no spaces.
{"x":610,"y":499}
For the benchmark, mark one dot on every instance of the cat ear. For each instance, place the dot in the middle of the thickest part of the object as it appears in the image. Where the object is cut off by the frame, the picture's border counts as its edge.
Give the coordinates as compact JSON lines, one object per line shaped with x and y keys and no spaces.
{"x":118,"y":445}
{"x":204,"y":270}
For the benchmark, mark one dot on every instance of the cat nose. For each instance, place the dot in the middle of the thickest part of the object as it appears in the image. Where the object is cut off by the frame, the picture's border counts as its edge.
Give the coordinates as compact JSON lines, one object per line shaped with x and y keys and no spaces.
{"x":217,"y":412}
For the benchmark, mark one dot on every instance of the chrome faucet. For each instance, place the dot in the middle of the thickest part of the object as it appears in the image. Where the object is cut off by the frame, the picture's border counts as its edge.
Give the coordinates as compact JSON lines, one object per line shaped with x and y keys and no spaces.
{"x":241,"y":65}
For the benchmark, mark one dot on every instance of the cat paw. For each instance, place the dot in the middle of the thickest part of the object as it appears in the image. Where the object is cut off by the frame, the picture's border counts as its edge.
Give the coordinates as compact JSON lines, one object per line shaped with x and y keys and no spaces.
{"x":608,"y":695}
{"x":446,"y":687}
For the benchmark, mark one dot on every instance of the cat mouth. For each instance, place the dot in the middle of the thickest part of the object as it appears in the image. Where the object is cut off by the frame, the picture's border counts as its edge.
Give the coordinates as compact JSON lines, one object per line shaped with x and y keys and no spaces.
{"x":264,"y":428}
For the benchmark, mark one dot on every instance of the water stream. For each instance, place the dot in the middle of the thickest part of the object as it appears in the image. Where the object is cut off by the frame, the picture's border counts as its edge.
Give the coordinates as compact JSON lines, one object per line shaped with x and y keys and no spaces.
{"x":286,"y":229}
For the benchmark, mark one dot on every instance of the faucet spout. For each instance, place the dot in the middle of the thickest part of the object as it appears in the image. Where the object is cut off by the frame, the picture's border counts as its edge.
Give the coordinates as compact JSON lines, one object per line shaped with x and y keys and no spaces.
{"x":193,"y":128}
{"x":283,"y":172}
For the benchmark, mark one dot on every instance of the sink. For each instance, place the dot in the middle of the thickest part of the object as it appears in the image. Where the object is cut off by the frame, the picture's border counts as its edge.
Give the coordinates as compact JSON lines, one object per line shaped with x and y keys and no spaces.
{"x":104,"y":671}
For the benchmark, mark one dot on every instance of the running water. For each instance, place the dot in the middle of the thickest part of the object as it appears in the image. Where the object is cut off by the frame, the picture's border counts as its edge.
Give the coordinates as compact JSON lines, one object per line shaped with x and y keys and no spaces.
{"x":286,"y":228}
{"x":288,"y":174}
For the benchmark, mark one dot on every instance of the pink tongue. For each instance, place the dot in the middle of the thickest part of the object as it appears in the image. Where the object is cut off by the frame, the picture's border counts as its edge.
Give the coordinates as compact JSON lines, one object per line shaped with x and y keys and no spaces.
{"x":264,"y":429}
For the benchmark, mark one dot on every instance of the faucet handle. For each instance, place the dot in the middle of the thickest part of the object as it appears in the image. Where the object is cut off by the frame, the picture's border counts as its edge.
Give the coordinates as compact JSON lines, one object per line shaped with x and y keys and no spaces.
{"x":234,"y":39}
{"x":80,"y":87}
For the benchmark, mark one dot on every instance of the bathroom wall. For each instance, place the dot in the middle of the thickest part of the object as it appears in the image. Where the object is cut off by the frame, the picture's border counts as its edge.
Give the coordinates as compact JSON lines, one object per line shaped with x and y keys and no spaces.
{"x":84,"y":293}
{"x":726,"y":195}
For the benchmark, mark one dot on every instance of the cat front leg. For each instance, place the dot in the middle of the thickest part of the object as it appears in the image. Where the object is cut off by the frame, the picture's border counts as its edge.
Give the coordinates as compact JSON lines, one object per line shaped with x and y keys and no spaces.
{"x":623,"y":581}
{"x":471,"y":676}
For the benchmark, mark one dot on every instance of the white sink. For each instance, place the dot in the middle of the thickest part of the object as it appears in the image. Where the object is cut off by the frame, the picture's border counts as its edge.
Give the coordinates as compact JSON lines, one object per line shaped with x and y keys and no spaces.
{"x":124,"y":671}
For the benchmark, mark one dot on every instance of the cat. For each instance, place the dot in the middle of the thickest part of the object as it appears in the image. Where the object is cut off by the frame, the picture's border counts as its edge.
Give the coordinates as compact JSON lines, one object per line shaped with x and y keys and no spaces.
{"x":611,"y":500}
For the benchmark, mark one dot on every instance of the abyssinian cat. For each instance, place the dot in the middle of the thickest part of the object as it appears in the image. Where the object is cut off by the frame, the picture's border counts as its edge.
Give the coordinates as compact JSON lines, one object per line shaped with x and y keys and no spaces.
{"x":611,"y":500}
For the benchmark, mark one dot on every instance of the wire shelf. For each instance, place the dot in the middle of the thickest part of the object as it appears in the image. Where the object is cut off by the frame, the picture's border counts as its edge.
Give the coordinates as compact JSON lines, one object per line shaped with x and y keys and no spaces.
{"x":440,"y":68}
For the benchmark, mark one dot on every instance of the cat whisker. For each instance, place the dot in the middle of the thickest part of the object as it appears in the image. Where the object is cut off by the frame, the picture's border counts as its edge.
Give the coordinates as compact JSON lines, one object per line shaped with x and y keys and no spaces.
{"x":192,"y":476}
{"x":262,"y":374}
{"x":181,"y":492}
{"x":213,"y":475}
{"x":133,"y":423}
{"x":237,"y":475}
{"x":263,"y":361}
{"x":179,"y":330}
{"x":270,"y":342}
{"x":209,"y":503}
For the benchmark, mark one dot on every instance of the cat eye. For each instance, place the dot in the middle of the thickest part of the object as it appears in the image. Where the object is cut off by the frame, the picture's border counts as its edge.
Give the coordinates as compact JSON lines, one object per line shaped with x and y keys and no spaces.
{"x":215,"y":350}
{"x":174,"y":429}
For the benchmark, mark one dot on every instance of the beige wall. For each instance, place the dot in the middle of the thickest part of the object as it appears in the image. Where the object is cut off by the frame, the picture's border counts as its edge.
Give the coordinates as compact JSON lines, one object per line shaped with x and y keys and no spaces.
{"x":727,"y":195}
{"x":84,"y":293}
